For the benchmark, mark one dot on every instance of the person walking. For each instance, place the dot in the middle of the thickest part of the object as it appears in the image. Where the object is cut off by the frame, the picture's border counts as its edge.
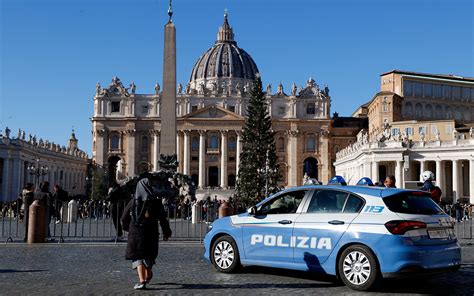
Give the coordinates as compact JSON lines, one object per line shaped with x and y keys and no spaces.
{"x":117,"y":198}
{"x":140,"y":219}
{"x":61,"y":197}
{"x":45,"y":199}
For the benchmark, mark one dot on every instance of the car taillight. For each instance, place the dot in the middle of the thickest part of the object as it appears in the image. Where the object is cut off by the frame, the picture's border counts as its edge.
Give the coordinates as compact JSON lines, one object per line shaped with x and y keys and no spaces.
{"x":400,"y":227}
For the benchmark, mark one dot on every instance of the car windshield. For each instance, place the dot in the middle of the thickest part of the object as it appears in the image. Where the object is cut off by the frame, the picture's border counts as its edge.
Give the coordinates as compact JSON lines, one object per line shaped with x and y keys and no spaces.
{"x":415,"y":202}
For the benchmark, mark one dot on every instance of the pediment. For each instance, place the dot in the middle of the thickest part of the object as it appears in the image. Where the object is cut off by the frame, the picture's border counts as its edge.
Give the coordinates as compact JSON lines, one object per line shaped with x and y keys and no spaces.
{"x":214,"y":112}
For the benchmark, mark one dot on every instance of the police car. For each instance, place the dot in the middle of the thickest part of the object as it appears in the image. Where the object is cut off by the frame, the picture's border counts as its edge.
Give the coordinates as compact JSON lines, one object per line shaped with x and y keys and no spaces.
{"x":358,"y":233}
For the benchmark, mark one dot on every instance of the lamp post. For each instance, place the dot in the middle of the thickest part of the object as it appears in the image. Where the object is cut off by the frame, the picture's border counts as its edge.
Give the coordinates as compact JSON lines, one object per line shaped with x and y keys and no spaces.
{"x":266,"y":171}
{"x":37,"y":171}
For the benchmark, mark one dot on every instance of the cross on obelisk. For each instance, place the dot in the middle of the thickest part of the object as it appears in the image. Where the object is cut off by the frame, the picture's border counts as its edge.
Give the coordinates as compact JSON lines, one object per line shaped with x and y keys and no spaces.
{"x":168,"y":98}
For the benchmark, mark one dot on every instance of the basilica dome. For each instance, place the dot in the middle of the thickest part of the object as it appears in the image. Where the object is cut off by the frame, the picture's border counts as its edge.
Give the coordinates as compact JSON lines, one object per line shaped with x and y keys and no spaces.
{"x":223,"y":64}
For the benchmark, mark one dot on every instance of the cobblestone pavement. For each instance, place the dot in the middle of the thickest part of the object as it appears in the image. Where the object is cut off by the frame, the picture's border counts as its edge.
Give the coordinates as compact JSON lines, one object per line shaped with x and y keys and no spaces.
{"x":74,"y":268}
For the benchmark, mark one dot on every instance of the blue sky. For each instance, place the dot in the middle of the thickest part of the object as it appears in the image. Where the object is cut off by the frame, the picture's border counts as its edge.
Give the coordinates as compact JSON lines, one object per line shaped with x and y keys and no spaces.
{"x":53,"y":52}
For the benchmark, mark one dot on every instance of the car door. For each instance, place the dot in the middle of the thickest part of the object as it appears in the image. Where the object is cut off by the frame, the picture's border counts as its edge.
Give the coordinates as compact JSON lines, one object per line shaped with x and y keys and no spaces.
{"x":323,"y":221}
{"x":267,"y":234}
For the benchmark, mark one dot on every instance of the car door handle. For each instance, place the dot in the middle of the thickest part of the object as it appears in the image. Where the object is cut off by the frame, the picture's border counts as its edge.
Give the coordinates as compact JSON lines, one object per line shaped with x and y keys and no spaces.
{"x":285,"y":222}
{"x":336,"y":222}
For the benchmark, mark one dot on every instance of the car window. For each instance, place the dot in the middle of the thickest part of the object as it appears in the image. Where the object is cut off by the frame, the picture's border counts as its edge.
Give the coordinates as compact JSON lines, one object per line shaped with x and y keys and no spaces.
{"x":286,"y":203}
{"x":415,"y":202}
{"x":353,"y":204}
{"x":327,"y":201}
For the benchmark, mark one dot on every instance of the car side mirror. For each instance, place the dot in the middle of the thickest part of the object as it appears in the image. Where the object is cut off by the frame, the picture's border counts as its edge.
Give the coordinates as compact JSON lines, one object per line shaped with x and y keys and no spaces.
{"x":252,"y":210}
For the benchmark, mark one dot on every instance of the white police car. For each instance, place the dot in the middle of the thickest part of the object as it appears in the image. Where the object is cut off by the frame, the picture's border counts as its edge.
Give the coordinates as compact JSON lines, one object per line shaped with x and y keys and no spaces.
{"x":359,"y":234}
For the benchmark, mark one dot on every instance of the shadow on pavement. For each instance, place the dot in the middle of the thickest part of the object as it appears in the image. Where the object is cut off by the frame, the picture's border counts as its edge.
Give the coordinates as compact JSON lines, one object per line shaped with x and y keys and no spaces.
{"x":20,"y":270}
{"x":236,"y":286}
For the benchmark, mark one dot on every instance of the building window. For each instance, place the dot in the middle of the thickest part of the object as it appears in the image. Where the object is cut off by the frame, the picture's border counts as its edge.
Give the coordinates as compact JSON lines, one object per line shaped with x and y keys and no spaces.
{"x":195,"y":144}
{"x":114,"y":142}
{"x":418,"y":111}
{"x":418,"y":89}
{"x":428,"y":90}
{"x":232,"y":143}
{"x":439,"y":112}
{"x":408,"y":111}
{"x":145,"y":109}
{"x":385,"y":105}
{"x":449,"y":129}
{"x":194,"y":108}
{"x":310,"y":143}
{"x":434,"y":130}
{"x":194,"y":158}
{"x":407,"y":88}
{"x":456,"y":93}
{"x":438,"y":91}
{"x":281,"y":144}
{"x":466,"y":94}
{"x":214,"y":143}
{"x":428,"y":111}
{"x":422,"y":129}
{"x":232,"y":109}
{"x":310,"y":109}
{"x":281,"y":110}
{"x":115,"y":107}
{"x":409,"y":131}
{"x":447,"y":92}
{"x":231,"y":158}
{"x":395,"y":131}
{"x":144,"y":144}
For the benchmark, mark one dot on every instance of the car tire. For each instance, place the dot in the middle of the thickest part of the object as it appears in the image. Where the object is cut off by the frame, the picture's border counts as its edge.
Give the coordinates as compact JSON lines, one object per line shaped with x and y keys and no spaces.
{"x":358,"y":268}
{"x":225,"y":255}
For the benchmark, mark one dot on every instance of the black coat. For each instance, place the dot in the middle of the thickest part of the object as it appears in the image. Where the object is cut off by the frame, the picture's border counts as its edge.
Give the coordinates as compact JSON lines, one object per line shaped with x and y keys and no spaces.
{"x":143,"y":239}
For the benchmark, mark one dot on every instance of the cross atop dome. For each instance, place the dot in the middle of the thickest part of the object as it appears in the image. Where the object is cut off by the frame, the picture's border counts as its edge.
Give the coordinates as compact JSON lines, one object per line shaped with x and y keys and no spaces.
{"x":225,"y":33}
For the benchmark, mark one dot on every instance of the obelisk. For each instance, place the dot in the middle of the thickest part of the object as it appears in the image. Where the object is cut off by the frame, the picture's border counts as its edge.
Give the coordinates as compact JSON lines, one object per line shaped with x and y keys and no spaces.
{"x":168,"y":97}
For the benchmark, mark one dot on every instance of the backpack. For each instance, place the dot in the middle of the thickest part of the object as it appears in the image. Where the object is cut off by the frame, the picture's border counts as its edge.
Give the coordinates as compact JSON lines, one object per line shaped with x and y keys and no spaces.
{"x":435,"y":194}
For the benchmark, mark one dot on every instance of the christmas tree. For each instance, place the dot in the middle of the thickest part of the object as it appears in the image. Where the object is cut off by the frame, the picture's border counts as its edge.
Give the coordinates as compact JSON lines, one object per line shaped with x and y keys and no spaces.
{"x":258,"y":172}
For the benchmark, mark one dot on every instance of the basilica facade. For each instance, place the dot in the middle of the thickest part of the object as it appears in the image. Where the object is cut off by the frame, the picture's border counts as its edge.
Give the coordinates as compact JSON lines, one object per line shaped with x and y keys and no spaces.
{"x":211,"y":109}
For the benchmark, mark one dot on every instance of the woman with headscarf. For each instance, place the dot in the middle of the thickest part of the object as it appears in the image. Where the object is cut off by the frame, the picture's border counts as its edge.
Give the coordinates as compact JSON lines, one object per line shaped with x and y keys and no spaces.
{"x":140,"y":219}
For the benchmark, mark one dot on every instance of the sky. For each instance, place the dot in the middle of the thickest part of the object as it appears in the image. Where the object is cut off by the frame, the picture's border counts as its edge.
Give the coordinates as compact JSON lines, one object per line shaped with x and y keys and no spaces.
{"x":53,"y":52}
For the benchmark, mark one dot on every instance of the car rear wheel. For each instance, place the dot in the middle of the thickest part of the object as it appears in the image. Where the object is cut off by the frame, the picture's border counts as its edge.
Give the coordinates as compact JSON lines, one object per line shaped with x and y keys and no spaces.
{"x":225,"y":255}
{"x":358,"y":268}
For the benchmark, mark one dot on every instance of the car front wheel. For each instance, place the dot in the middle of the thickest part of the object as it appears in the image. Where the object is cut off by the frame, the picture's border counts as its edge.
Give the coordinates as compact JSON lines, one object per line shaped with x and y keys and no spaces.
{"x":225,"y":255}
{"x":358,"y":268}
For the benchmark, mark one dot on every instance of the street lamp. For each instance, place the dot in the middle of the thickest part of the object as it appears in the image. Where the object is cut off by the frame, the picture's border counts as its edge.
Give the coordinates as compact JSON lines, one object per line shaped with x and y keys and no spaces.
{"x":266,"y":171}
{"x":37,"y":171}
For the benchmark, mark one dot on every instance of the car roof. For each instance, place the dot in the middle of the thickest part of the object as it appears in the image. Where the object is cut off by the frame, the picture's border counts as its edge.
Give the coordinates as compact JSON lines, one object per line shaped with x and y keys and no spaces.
{"x":366,"y":190}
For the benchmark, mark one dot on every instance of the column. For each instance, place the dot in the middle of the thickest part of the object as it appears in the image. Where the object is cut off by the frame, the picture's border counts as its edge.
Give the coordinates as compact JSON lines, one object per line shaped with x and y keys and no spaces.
{"x":202,"y":158}
{"x":178,"y":151}
{"x":399,"y":174}
{"x":223,"y":159}
{"x":187,"y":155}
{"x":375,"y":171}
{"x":6,"y":179}
{"x":99,"y":146}
{"x":293,"y":158}
{"x":237,"y":152}
{"x":471,"y":181}
{"x":156,"y":149}
{"x":439,"y":173}
{"x":456,"y":193}
{"x":422,"y":169}
{"x":131,"y":153}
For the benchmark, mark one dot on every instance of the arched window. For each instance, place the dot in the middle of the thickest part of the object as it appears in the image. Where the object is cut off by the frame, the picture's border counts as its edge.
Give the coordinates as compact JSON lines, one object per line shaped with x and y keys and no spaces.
{"x":408,"y":111}
{"x":448,"y":113}
{"x":114,"y":142}
{"x":281,"y":144}
{"x":458,"y":113}
{"x":195,"y":144}
{"x":214,"y":142}
{"x":439,"y":112}
{"x":310,"y":143}
{"x":232,"y":143}
{"x":144,"y":144}
{"x":385,"y":105}
{"x":418,"y":111}
{"x":428,"y":111}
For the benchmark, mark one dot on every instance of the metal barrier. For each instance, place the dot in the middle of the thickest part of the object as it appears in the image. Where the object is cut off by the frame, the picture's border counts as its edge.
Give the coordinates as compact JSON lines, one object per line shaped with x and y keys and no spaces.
{"x":101,"y":221}
{"x":95,"y":221}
